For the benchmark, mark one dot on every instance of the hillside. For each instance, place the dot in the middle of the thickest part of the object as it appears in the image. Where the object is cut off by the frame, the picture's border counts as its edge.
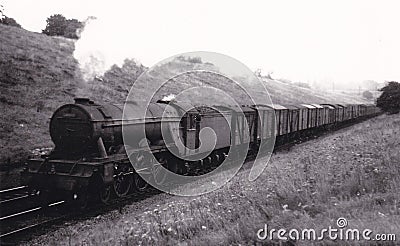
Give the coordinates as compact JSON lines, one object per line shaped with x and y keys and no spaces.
{"x":280,"y":92}
{"x":288,"y":94}
{"x":38,"y":73}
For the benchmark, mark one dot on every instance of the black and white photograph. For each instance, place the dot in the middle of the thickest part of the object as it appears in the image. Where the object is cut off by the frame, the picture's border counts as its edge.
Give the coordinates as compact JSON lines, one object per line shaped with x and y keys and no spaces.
{"x":172,"y":122}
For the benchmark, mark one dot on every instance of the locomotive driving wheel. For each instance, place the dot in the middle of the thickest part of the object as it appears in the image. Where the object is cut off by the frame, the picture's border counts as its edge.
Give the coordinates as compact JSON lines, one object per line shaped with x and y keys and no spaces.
{"x":43,"y":197}
{"x":146,"y":164}
{"x":82,"y":201}
{"x":158,"y":170}
{"x":140,"y":184}
{"x":123,"y":180}
{"x":105,"y":194}
{"x":140,"y":160}
{"x":175,"y":166}
{"x":101,"y":191}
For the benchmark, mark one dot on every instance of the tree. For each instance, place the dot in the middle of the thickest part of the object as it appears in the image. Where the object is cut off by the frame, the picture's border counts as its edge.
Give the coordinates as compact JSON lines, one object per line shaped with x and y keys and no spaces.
{"x":58,"y":25}
{"x":129,"y":71}
{"x":368,"y":95}
{"x":73,"y":29}
{"x":5,"y":20}
{"x":389,"y":101}
{"x":9,"y":22}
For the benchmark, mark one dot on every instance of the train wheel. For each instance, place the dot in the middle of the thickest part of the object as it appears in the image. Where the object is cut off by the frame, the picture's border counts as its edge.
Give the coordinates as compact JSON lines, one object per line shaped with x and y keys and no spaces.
{"x":83,"y":201}
{"x":101,"y":192}
{"x":43,"y":198}
{"x":210,"y":161}
{"x":183,"y":168}
{"x":123,"y":181}
{"x":216,"y":161}
{"x":159,"y":174}
{"x":139,"y":184}
{"x":105,"y":194}
{"x":80,"y":200}
{"x":122,"y":185}
{"x":218,"y":158}
{"x":174,"y":166}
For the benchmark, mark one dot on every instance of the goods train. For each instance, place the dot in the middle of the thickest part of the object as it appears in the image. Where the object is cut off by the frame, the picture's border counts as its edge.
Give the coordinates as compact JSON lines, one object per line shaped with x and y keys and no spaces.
{"x":90,"y":159}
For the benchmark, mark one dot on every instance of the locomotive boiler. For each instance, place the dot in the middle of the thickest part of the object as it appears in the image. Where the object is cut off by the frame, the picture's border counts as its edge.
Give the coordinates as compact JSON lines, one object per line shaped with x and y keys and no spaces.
{"x":84,"y":129}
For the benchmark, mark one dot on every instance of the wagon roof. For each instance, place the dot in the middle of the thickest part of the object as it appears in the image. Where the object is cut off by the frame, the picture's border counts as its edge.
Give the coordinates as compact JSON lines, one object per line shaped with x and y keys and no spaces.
{"x":278,"y":106}
{"x":308,"y":105}
{"x":328,"y":106}
{"x":183,"y":107}
{"x":271,"y":106}
{"x":317,"y":105}
{"x":247,"y":109}
{"x":262,"y":107}
{"x":236,"y":108}
{"x":288,"y":106}
{"x":332,"y":105}
{"x":299,"y":106}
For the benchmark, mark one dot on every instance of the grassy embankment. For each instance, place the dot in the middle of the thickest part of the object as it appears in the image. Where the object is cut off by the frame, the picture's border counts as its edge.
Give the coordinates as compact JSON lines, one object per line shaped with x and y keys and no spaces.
{"x":37,"y":73}
{"x":353,"y":173}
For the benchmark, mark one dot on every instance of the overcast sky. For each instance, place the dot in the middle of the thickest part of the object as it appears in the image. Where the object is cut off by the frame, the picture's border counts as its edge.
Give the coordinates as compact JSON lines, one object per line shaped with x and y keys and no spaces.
{"x":340,"y":41}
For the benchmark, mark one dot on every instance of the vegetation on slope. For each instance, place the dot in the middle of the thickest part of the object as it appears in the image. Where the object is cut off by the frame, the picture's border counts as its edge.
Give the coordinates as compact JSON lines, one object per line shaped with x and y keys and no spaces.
{"x":37,"y":73}
{"x":280,"y":93}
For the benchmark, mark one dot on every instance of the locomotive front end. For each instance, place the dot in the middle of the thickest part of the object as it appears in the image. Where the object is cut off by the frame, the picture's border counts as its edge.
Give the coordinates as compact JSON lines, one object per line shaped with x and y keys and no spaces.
{"x":89,"y":154}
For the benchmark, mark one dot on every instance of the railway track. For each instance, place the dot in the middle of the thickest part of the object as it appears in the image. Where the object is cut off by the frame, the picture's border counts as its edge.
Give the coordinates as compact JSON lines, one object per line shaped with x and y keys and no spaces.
{"x":12,"y":194}
{"x":35,"y":219}
{"x":28,"y":219}
{"x":14,"y":200}
{"x":20,"y":211}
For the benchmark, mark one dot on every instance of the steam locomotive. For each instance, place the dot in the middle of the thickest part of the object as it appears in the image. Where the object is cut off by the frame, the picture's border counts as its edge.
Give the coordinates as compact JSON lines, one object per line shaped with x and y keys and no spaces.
{"x":91,"y":158}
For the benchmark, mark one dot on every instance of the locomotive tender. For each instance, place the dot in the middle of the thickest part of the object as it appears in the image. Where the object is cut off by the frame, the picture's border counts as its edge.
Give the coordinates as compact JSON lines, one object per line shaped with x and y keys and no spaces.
{"x":90,"y":158}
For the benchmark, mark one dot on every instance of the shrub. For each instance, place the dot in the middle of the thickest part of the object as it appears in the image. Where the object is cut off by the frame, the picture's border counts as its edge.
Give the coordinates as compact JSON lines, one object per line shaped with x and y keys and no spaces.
{"x":389,"y":101}
{"x":5,"y":20}
{"x":58,"y":25}
{"x":368,"y":95}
